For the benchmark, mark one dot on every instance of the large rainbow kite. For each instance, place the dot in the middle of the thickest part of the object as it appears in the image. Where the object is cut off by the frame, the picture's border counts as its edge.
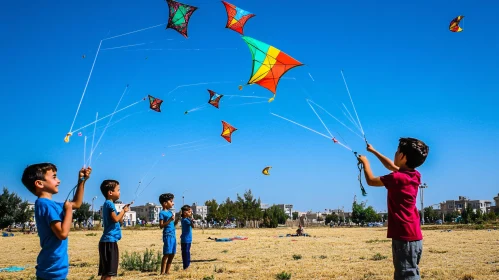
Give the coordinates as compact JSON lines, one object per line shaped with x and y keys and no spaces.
{"x":269,"y":64}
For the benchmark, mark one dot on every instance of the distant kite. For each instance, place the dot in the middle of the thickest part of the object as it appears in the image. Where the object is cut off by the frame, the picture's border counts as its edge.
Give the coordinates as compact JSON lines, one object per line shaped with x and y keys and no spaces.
{"x":155,"y":103}
{"x":269,"y":64}
{"x":227,"y":131}
{"x":266,"y":170}
{"x":236,"y":17}
{"x":179,"y":16}
{"x":454,"y":24}
{"x":214,"y":98}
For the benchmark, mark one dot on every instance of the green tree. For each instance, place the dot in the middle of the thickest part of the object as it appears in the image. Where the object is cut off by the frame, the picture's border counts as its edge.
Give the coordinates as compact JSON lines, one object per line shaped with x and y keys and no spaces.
{"x":491,"y":216}
{"x":212,"y":206}
{"x":333,"y":217}
{"x":451,"y":217}
{"x":371,"y":215}
{"x":13,"y":209}
{"x":273,"y":216}
{"x":358,"y":213}
{"x":295,"y":215}
{"x":249,"y":207}
{"x":83,"y":213}
{"x":197,"y":217}
{"x":430,"y":214}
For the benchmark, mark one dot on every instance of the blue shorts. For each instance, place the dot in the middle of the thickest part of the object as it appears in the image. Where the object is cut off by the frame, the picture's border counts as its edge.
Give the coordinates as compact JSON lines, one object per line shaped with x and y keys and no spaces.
{"x":169,"y":245}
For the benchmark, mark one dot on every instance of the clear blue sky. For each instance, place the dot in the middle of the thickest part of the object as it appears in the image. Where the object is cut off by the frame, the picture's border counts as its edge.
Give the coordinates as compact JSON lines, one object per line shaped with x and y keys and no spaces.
{"x":408,"y":75}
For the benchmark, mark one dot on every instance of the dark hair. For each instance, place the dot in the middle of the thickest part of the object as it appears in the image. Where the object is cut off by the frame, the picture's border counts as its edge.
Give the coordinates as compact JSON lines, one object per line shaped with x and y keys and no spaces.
{"x":108,"y":185}
{"x":184,"y":208}
{"x":35,"y":172}
{"x":414,"y":150}
{"x":165,"y":197}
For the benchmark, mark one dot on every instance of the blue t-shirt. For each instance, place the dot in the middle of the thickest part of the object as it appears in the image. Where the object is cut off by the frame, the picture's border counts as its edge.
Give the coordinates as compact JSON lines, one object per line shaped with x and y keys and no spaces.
{"x":112,"y":230}
{"x":52,"y":262}
{"x":186,"y":236}
{"x":164,"y":216}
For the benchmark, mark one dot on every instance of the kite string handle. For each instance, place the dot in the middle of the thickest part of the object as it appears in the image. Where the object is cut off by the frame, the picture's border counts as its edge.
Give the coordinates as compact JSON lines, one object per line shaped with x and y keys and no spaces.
{"x":360,"y":167}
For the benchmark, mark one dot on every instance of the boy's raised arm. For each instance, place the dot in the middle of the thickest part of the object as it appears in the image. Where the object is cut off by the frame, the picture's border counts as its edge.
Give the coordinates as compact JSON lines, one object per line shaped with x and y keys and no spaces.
{"x":78,"y":198}
{"x":61,"y":229}
{"x":370,"y":179}
{"x":388,"y":163}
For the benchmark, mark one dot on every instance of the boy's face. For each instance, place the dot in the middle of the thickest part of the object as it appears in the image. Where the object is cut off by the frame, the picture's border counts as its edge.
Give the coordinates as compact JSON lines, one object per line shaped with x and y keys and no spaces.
{"x":399,"y":158}
{"x":168,"y":204}
{"x":188,"y":213}
{"x":49,"y":184}
{"x":114,"y":194}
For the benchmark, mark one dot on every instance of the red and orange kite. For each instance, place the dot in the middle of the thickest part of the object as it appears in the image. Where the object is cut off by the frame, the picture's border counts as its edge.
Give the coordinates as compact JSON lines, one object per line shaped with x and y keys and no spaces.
{"x":227,"y":131}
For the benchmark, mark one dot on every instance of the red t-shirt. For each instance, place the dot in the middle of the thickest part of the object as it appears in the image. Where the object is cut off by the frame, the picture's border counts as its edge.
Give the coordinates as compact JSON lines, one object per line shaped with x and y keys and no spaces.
{"x":403,"y":215}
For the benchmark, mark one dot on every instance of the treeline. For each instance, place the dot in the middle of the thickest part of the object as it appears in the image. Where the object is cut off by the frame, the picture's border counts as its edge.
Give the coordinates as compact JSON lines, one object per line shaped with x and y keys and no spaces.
{"x":243,"y":209}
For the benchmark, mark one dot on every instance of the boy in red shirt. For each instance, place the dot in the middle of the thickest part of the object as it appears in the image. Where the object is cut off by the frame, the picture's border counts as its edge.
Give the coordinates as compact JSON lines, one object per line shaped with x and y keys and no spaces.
{"x":403,"y":216}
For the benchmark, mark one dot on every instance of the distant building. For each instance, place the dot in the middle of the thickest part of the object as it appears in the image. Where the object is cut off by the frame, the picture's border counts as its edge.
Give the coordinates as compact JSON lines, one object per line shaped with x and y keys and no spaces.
{"x":201,"y":210}
{"x":264,"y":206}
{"x":149,"y":212}
{"x":287,"y":208}
{"x":463,"y":202}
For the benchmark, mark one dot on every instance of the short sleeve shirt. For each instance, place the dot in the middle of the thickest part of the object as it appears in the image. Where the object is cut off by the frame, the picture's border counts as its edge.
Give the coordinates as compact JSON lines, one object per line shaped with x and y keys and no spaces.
{"x":164,"y":216}
{"x":403,"y":215}
{"x":52,"y":262}
{"x":112,"y":229}
{"x":186,"y":236}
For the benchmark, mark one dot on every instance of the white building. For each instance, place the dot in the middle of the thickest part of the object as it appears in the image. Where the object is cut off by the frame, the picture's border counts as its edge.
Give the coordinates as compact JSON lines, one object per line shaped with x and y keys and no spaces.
{"x":149,"y":212}
{"x":450,"y":206}
{"x":201,"y":210}
{"x":288,"y":209}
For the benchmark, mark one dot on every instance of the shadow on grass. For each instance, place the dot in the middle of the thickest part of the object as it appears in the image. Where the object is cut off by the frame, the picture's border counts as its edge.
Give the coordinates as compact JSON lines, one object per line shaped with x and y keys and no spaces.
{"x":209,"y":260}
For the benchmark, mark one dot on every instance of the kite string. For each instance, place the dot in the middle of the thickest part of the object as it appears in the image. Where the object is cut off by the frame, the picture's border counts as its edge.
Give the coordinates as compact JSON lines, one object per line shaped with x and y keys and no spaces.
{"x":86,"y":85}
{"x":105,"y":117}
{"x":320,"y":119}
{"x":131,"y":32}
{"x":336,"y":119}
{"x":323,"y":135}
{"x":93,"y":138}
{"x":349,"y":117}
{"x":105,"y":128}
{"x":353,"y":105}
{"x":84,"y":151}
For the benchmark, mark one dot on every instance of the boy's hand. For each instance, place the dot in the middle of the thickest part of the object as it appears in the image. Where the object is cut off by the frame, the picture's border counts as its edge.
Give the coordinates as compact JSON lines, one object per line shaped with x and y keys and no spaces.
{"x":85,"y":172}
{"x":68,"y":206}
{"x":370,"y":148}
{"x":362,"y":159}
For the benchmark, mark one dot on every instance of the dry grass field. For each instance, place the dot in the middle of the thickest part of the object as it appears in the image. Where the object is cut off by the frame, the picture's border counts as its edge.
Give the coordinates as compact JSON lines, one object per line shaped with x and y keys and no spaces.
{"x":331,"y":253}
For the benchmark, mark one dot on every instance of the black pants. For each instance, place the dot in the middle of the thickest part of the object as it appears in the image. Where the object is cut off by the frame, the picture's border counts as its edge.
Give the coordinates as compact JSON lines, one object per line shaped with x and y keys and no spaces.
{"x":109,"y":256}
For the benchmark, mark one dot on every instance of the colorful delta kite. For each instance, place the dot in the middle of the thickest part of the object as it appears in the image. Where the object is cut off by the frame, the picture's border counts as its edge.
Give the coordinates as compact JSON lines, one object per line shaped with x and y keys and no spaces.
{"x":269,"y":64}
{"x":179,"y":16}
{"x":227,"y":131}
{"x":214,"y":98}
{"x":266,"y":170}
{"x":454,"y":24}
{"x":236,"y":17}
{"x":155,"y":103}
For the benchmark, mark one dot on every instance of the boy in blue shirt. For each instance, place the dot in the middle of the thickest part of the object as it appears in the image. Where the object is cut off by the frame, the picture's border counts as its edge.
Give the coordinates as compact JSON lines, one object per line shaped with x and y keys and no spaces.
{"x":108,"y":245}
{"x":53,"y":219}
{"x":166,"y":222}
{"x":186,"y":237}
